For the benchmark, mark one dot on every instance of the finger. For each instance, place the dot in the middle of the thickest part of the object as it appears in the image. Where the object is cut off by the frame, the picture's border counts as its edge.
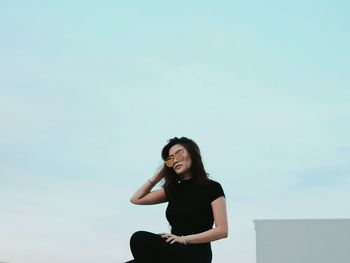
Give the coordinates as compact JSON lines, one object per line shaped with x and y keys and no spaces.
{"x":164,"y":234}
{"x":169,"y":239}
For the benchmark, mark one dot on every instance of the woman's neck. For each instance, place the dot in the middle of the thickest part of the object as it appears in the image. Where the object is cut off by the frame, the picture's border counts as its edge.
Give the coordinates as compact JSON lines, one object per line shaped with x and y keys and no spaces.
{"x":186,"y":176}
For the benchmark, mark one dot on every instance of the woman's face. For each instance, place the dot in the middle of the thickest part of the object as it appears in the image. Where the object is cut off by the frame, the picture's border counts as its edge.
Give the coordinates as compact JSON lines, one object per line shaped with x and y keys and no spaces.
{"x":181,"y":159}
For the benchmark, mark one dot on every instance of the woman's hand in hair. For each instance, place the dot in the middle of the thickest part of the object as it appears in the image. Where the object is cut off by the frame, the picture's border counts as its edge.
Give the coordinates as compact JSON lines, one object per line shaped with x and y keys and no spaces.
{"x":160,"y":173}
{"x":144,"y":195}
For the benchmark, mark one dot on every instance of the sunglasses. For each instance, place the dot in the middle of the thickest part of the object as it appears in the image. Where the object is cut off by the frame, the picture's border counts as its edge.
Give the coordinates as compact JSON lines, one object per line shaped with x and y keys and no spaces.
{"x":179,"y":156}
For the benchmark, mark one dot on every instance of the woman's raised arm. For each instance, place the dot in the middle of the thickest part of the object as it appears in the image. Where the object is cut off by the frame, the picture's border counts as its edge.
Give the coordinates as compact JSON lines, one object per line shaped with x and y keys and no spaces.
{"x":144,"y":195}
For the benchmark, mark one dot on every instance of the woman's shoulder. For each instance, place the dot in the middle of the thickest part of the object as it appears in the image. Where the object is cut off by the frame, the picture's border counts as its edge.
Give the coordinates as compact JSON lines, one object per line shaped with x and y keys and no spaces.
{"x":214,"y":190}
{"x":214,"y":183}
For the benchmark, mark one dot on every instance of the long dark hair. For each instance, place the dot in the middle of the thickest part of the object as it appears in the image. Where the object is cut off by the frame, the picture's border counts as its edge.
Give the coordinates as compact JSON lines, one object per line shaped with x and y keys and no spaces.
{"x":197,"y":170}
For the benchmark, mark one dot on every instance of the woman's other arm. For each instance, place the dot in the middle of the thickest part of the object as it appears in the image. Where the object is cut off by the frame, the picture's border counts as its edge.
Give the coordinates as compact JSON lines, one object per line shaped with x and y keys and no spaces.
{"x":221,"y":225}
{"x":144,"y":195}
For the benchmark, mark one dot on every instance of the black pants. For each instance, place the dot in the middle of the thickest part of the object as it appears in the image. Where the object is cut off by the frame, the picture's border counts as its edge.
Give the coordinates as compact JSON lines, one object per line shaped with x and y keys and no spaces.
{"x":148,"y":247}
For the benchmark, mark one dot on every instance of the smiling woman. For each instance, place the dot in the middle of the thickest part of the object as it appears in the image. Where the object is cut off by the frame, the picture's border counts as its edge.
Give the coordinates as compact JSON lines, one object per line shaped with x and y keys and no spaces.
{"x":195,"y":204}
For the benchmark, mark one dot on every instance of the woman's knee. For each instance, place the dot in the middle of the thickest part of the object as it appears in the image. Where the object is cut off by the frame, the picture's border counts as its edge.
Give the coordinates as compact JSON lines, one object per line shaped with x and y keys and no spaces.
{"x":138,"y":237}
{"x":147,"y":247}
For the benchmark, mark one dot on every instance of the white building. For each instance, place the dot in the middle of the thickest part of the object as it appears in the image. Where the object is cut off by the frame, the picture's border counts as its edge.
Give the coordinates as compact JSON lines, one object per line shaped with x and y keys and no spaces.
{"x":303,"y":241}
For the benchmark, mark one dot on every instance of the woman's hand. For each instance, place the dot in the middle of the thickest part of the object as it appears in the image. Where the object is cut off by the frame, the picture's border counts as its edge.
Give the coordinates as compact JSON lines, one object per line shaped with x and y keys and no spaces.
{"x":144,"y":195}
{"x":170,"y":238}
{"x":160,"y":173}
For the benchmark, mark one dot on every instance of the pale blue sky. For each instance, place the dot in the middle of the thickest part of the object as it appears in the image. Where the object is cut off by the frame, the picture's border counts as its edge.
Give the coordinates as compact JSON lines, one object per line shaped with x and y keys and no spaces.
{"x":91,"y":91}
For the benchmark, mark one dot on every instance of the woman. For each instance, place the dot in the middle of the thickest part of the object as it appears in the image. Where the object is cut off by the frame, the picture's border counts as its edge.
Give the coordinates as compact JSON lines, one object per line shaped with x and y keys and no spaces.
{"x":194,"y":203}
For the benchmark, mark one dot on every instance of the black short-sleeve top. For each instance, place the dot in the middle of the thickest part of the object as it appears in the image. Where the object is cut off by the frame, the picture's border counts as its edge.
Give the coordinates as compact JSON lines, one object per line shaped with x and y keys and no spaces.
{"x":189,"y":211}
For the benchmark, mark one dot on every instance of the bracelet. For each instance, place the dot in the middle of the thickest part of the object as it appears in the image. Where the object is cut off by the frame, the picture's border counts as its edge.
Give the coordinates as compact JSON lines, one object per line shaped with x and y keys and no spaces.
{"x":150,"y":182}
{"x":184,"y":240}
